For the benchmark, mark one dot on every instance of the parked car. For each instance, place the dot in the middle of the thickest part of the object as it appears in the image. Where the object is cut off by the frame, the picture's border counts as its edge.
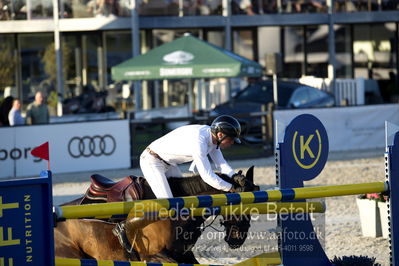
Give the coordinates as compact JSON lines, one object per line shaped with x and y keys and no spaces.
{"x":291,"y":95}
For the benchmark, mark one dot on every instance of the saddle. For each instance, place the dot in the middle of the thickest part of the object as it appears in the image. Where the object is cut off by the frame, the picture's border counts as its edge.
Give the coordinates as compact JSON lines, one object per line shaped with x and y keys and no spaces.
{"x":103,"y":189}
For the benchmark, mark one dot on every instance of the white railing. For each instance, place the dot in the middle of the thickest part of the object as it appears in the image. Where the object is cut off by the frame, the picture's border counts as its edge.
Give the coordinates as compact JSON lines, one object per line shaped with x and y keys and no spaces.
{"x":346,"y":92}
{"x":349,"y":92}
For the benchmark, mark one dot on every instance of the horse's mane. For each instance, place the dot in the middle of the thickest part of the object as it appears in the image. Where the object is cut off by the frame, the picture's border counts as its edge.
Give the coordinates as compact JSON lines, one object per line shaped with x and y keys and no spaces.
{"x":193,"y":185}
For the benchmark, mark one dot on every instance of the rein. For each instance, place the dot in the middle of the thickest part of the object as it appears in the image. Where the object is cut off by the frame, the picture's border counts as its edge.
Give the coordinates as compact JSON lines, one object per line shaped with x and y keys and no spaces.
{"x":203,"y":227}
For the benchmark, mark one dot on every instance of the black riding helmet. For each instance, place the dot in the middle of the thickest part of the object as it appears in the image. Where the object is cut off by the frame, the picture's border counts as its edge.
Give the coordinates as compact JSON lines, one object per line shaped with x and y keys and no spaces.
{"x":228,"y":125}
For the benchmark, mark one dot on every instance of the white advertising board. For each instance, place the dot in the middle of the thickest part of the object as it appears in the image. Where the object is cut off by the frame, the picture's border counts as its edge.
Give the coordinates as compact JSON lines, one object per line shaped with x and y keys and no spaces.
{"x":73,"y":147}
{"x":348,"y":128}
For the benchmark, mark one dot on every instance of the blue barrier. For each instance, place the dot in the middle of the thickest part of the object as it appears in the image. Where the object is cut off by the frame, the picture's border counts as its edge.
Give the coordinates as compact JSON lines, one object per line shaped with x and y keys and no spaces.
{"x":26,"y":221}
{"x":301,"y":157}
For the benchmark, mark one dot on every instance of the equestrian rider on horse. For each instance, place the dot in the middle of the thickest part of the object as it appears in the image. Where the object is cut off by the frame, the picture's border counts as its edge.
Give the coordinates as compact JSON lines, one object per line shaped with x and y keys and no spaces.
{"x":194,"y":143}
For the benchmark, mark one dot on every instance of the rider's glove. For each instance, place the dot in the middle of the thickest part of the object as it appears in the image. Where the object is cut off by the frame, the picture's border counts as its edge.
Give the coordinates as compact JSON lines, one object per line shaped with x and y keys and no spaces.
{"x":239,"y":178}
{"x":237,"y":189}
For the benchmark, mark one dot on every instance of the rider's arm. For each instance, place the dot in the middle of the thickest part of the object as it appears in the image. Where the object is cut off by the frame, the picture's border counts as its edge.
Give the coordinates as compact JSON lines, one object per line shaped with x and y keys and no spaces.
{"x":217,"y":157}
{"x":205,"y":170}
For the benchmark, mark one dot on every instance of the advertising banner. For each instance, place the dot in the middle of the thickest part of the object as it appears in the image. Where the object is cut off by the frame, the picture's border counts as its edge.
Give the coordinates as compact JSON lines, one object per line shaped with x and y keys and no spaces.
{"x":26,"y":227}
{"x":73,"y":147}
{"x":348,"y":128}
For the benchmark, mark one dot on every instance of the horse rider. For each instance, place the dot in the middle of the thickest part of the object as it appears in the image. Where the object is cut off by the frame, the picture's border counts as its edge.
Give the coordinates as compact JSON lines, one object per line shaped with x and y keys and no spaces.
{"x":194,"y":143}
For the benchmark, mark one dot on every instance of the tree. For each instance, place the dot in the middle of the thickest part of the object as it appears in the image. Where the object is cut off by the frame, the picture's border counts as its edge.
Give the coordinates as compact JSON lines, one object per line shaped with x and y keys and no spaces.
{"x":50,"y":68}
{"x":7,"y":65}
{"x":49,"y":61}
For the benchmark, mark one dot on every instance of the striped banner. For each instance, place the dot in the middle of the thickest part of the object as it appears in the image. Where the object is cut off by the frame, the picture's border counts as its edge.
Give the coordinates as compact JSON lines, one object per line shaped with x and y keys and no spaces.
{"x":88,"y":262}
{"x":120,"y":209}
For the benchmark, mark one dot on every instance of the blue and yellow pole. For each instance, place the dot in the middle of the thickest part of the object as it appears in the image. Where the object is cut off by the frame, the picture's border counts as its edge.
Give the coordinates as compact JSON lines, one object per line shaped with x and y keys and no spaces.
{"x":119,"y":209}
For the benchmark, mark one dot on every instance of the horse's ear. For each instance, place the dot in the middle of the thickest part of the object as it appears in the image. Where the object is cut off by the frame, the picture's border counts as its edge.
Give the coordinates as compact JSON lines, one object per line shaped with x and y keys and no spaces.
{"x":250,"y":174}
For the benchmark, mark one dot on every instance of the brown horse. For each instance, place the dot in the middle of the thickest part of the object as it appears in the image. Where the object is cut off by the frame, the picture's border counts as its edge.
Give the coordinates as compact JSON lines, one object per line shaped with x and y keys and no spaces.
{"x":166,"y":240}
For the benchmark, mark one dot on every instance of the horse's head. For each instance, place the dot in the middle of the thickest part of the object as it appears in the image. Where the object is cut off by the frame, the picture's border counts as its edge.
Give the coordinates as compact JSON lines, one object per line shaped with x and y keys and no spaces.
{"x":237,"y":226}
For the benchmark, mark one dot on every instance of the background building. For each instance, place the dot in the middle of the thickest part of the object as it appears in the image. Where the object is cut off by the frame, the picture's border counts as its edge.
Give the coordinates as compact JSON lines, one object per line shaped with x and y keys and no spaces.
{"x":342,"y":39}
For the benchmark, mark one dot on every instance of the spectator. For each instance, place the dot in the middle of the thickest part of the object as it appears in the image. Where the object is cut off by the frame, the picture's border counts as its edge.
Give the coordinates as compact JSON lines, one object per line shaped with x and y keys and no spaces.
{"x":15,"y":116}
{"x":4,"y":11}
{"x":308,"y":6}
{"x":202,"y":8}
{"x":5,"y":108}
{"x":242,"y":7}
{"x":37,"y":112}
{"x":103,"y":7}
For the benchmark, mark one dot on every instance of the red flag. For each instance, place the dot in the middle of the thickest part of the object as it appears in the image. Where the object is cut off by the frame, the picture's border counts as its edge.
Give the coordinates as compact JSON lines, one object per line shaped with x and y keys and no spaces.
{"x":41,"y":151}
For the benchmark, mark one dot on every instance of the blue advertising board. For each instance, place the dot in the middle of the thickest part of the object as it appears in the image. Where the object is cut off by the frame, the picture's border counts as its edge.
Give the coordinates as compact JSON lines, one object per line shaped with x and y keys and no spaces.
{"x":303,"y":155}
{"x":26,"y":225}
{"x":305,"y":150}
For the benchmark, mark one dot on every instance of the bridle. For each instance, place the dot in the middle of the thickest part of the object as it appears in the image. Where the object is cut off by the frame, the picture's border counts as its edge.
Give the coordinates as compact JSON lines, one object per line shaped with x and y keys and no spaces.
{"x":203,"y":226}
{"x":120,"y":232}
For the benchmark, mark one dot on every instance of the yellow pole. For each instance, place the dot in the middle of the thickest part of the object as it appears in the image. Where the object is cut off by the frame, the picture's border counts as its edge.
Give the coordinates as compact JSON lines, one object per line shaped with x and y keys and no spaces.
{"x":340,"y":190}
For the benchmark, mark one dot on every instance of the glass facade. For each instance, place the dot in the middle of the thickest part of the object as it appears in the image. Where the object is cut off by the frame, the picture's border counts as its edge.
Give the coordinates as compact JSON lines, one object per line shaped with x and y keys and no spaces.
{"x":37,"y":64}
{"x":118,"y":49}
{"x":180,"y":8}
{"x":94,"y":8}
{"x":269,"y":41}
{"x":316,"y":51}
{"x":343,"y":49}
{"x":39,"y":9}
{"x":8,"y":61}
{"x":25,"y":9}
{"x":243,"y":43}
{"x":375,"y":55}
{"x":372,"y":47}
{"x":294,"y":52}
{"x":215,"y":37}
{"x":84,"y":62}
{"x":13,"y":10}
{"x":369,"y":5}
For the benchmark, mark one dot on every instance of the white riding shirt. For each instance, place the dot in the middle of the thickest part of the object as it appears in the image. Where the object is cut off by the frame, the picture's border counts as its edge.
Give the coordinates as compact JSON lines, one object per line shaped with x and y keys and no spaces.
{"x":194,"y":143}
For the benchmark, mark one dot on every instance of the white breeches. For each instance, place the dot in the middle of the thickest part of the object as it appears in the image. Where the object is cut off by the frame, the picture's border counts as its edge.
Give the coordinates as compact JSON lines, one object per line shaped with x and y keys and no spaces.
{"x":156,"y":173}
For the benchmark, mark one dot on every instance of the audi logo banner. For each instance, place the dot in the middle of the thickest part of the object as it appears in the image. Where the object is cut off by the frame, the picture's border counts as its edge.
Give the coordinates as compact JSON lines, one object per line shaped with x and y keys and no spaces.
{"x":88,"y":146}
{"x":74,"y":147}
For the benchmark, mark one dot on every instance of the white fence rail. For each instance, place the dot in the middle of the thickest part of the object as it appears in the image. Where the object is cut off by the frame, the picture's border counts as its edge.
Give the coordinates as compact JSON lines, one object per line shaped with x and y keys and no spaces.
{"x":346,"y":92}
{"x":349,"y":92}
